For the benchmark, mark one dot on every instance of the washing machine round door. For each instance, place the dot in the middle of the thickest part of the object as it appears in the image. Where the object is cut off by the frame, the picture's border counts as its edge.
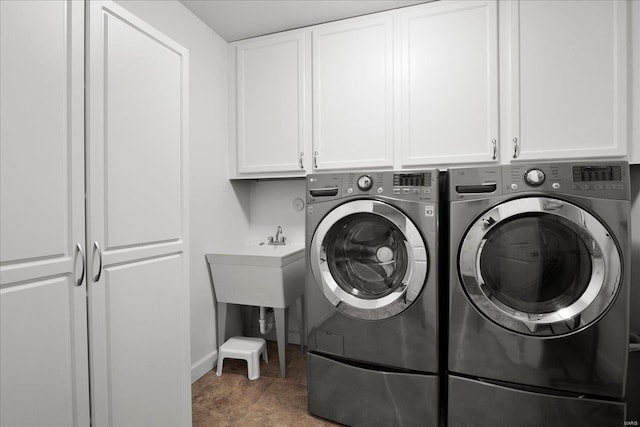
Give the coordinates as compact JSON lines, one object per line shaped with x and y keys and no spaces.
{"x":540,"y":266}
{"x":369,"y":259}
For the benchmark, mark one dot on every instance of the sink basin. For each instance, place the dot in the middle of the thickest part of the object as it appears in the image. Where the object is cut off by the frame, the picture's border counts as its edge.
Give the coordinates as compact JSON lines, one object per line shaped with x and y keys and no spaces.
{"x":260,"y":275}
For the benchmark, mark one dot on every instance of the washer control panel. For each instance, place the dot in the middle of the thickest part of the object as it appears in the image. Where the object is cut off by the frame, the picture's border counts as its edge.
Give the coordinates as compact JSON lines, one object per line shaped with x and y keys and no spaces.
{"x":412,"y":179}
{"x":418,"y":186}
{"x":534,"y":177}
{"x":365,"y":183}
{"x":414,"y":185}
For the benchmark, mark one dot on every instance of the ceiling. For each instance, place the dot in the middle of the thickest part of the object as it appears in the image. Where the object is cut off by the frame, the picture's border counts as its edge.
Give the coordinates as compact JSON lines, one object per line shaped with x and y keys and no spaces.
{"x":240,"y":19}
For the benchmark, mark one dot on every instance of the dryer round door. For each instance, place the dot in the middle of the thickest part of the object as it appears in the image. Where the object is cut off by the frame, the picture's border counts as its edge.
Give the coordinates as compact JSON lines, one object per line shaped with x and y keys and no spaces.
{"x":369,"y":259}
{"x":540,"y":266}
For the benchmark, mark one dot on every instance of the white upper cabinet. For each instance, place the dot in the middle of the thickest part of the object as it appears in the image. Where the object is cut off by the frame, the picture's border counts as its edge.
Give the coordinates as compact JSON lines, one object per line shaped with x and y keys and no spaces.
{"x":353,"y":93}
{"x":449,"y":110}
{"x":443,"y":83}
{"x":568,"y":79}
{"x":273,"y":105}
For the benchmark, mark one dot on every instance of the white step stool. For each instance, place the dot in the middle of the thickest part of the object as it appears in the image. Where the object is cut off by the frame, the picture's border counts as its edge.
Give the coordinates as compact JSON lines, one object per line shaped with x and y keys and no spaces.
{"x":246,"y":348}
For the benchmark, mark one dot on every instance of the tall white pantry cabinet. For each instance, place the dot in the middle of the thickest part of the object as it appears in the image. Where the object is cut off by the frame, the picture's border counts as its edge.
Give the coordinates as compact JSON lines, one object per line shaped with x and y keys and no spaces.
{"x":94,"y":314}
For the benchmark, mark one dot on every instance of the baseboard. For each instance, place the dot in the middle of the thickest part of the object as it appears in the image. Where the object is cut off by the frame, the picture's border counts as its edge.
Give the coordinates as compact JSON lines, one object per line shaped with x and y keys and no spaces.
{"x":294,"y":337}
{"x":204,"y":365}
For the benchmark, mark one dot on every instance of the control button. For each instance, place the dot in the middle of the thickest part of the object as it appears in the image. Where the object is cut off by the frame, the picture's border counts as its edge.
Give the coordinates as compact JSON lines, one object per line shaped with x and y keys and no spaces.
{"x":380,"y":190}
{"x":426,"y":191}
{"x":555,"y":185}
{"x":365,"y":183}
{"x":406,"y":191}
{"x":514,"y":186}
{"x":617,"y":186}
{"x":396,"y":191}
{"x":416,"y":191}
{"x":534,"y":177}
{"x":350,"y":190}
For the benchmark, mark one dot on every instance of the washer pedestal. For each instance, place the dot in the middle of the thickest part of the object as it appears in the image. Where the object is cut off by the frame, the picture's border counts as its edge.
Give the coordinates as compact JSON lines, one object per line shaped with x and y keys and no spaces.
{"x":391,"y":398}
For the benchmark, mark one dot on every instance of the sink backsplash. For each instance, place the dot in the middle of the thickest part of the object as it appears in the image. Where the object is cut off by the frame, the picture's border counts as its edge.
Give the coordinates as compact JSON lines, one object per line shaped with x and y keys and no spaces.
{"x":272,"y":203}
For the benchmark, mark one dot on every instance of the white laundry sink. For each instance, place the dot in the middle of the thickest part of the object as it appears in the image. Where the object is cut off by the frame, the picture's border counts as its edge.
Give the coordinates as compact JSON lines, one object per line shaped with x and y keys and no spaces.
{"x":260,"y":275}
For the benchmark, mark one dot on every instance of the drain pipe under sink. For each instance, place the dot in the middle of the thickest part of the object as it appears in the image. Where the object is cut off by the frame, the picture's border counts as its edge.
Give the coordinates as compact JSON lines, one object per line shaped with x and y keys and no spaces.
{"x":266,"y":320}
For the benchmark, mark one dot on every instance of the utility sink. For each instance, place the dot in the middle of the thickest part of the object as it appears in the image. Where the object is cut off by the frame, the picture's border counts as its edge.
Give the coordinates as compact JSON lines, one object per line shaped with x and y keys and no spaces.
{"x":260,"y":275}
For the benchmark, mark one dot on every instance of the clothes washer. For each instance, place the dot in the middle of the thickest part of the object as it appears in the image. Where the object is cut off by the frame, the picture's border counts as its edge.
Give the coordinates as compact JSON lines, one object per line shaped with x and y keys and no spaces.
{"x":371,"y":293}
{"x":539,"y":288}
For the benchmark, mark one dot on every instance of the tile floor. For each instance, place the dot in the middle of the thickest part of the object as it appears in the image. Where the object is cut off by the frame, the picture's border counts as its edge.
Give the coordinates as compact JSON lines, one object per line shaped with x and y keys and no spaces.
{"x":233,"y":400}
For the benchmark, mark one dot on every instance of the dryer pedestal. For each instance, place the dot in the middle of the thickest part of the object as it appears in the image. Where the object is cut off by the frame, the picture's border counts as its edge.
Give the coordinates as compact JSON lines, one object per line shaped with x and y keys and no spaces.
{"x":480,"y":403}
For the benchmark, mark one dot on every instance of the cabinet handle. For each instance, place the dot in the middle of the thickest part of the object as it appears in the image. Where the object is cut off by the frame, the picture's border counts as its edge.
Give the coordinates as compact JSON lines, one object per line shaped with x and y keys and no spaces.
{"x":300,"y":158}
{"x":315,"y":160}
{"x":97,"y":250}
{"x":494,"y":148}
{"x":79,"y":251}
{"x":515,"y":147}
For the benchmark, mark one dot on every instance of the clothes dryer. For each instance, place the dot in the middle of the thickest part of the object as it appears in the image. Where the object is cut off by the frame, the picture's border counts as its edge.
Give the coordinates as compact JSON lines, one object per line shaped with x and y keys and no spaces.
{"x":371,"y":292}
{"x":539,"y":288}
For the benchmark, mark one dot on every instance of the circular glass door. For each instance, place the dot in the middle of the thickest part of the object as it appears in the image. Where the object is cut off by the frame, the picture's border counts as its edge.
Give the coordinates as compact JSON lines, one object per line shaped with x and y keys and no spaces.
{"x":540,"y":266}
{"x":369,"y":259}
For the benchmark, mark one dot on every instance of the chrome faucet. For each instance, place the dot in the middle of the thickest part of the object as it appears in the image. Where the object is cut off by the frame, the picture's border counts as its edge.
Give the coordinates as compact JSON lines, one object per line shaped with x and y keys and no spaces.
{"x":279,"y":239}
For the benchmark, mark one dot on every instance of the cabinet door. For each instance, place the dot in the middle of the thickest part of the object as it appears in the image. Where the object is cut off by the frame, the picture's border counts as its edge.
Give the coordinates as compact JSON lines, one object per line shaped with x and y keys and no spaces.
{"x":137,"y":222}
{"x":353,"y":93}
{"x":568,"y":79}
{"x":272,"y":104}
{"x":43,"y":318}
{"x":449,"y":83}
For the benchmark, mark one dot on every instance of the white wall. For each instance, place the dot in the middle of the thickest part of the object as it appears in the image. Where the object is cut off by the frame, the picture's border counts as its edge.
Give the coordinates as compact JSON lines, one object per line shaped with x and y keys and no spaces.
{"x":271,"y":204}
{"x":218,"y":208}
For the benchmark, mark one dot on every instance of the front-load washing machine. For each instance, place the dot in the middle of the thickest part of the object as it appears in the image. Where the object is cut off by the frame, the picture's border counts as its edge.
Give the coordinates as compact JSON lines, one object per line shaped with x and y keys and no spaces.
{"x":539,"y":288}
{"x":371,"y":293}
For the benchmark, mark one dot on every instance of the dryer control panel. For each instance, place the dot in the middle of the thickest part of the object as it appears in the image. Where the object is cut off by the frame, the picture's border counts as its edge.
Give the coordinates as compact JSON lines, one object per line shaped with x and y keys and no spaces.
{"x":603,"y":173}
{"x":596,"y":179}
{"x":607,"y":180}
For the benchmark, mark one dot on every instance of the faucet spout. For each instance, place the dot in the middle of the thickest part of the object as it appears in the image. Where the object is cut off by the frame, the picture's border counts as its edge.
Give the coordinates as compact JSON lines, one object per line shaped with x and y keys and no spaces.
{"x":279,"y":239}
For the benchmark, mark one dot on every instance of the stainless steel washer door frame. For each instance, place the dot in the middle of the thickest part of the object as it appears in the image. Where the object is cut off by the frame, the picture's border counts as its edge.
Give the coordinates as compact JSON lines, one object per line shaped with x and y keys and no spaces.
{"x":403,"y":295}
{"x":606,"y":269}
